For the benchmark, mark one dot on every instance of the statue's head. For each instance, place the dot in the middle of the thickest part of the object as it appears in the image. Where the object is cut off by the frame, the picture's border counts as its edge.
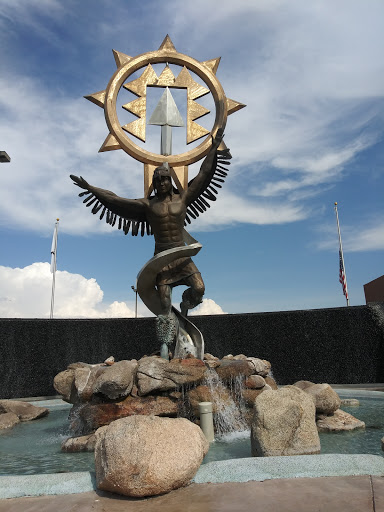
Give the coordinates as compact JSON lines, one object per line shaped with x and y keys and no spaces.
{"x":162,"y":180}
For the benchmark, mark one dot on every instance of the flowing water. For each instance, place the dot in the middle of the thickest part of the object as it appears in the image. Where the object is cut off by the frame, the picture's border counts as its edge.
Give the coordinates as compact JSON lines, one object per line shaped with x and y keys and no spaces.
{"x":34,"y":447}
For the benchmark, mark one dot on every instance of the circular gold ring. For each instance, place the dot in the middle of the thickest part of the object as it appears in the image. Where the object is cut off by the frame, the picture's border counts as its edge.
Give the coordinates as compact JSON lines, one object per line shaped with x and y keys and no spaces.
{"x":172,"y":57}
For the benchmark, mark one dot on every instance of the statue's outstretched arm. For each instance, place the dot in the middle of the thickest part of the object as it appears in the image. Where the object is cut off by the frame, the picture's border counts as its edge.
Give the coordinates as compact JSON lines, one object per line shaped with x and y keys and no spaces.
{"x":202,"y":188}
{"x":129,"y":213}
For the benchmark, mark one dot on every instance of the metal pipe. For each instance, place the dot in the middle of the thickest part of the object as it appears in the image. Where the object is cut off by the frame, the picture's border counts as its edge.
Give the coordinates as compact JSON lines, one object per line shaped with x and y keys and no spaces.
{"x":206,"y":420}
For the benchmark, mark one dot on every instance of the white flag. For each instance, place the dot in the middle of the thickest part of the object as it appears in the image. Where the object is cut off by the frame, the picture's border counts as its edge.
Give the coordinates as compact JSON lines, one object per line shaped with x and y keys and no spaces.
{"x":54,"y":248}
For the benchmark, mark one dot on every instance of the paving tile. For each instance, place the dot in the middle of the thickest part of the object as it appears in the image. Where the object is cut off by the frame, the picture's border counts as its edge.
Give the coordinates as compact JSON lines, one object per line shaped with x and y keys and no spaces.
{"x":378,"y":492}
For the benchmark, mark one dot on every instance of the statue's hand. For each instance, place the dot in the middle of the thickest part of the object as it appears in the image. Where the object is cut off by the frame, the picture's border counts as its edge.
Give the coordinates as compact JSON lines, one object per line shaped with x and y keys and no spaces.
{"x":80,"y":182}
{"x":218,"y":138}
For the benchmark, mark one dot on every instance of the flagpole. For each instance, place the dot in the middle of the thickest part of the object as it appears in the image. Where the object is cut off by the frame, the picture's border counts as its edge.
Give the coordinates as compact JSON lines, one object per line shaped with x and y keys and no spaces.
{"x":53,"y":265}
{"x":342,"y":266}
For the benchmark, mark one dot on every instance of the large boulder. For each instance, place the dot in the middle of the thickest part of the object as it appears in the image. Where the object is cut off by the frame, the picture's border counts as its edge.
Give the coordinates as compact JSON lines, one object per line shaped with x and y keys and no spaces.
{"x":338,"y":421}
{"x":147,"y":455}
{"x":157,"y":374}
{"x":249,"y":395}
{"x":116,"y":380}
{"x":284,"y":424}
{"x":326,"y":399}
{"x":254,"y":382}
{"x":23,"y":410}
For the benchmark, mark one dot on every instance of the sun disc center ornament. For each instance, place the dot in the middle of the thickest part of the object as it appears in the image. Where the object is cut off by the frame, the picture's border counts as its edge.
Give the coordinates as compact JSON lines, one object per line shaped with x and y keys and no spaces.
{"x":118,"y":137}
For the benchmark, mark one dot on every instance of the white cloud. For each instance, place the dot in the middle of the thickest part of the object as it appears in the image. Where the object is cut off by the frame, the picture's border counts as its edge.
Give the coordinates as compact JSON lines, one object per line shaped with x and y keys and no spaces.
{"x":26,"y":293}
{"x":357,"y":238}
{"x":207,"y":307}
{"x":310,"y":73}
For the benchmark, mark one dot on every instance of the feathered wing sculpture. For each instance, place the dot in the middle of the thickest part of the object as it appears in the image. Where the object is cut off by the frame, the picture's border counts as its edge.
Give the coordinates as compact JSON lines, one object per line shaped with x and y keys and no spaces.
{"x":198,"y":201}
{"x":130,"y":214}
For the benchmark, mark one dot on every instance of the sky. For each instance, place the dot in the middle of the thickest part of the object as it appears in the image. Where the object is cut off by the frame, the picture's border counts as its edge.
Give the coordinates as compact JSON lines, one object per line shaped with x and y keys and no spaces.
{"x":312,"y":77}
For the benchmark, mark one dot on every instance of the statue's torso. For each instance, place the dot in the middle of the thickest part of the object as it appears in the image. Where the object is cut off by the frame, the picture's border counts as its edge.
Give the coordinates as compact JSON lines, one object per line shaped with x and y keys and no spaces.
{"x":166,"y":217}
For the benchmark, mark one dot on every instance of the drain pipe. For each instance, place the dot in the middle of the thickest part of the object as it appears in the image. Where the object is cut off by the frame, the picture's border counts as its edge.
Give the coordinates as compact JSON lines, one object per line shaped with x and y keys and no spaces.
{"x":206,"y":420}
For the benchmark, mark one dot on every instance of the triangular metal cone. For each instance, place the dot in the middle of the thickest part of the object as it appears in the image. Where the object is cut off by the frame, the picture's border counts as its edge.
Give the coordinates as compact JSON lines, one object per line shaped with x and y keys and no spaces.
{"x":234,"y":106}
{"x":110,"y":144}
{"x":121,"y":58}
{"x":137,"y":107}
{"x":136,"y":128}
{"x":166,"y":111}
{"x":212,"y":64}
{"x":166,"y":78}
{"x":98,"y":98}
{"x":195,"y":131}
{"x":167,"y":44}
{"x":195,"y":110}
{"x":139,"y":86}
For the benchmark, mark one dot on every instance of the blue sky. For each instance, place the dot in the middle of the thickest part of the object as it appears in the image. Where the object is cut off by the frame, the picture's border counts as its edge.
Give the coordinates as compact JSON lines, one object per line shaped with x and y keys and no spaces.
{"x":312,"y":77}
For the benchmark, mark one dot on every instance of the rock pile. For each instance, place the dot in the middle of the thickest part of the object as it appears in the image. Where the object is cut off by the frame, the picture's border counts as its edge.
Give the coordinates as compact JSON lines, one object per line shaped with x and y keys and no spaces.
{"x":104,"y":392}
{"x":329,"y":416}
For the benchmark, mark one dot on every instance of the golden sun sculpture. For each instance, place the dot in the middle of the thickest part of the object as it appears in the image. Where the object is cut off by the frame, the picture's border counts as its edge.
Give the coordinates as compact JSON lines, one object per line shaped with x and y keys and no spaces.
{"x":118,"y":135}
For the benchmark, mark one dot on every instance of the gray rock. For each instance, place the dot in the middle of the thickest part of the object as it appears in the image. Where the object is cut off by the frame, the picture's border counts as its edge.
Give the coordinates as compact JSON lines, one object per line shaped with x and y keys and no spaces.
{"x":8,"y":420}
{"x":255,"y":382}
{"x":350,"y":402}
{"x":116,"y":381}
{"x":63,"y":384}
{"x":338,"y":421}
{"x":259,"y":366}
{"x":303,"y":384}
{"x":326,"y":399}
{"x":284,"y":424}
{"x":147,"y":455}
{"x":79,"y":444}
{"x":157,"y":374}
{"x":23,"y":410}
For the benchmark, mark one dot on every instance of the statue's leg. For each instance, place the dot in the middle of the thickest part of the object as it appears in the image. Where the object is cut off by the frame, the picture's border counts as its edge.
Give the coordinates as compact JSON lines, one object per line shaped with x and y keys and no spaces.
{"x":166,"y":322}
{"x":165,"y":294}
{"x":194,"y":294}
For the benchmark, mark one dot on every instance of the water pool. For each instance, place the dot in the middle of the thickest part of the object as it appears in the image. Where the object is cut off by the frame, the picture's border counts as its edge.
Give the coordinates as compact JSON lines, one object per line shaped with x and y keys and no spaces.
{"x":34,"y":447}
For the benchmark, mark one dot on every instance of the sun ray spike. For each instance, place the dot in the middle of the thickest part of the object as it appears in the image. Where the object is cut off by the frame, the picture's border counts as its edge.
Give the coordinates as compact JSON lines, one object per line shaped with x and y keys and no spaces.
{"x":98,"y":98}
{"x":212,"y":64}
{"x":234,"y":106}
{"x":121,"y":58}
{"x":110,"y":144}
{"x":167,"y":44}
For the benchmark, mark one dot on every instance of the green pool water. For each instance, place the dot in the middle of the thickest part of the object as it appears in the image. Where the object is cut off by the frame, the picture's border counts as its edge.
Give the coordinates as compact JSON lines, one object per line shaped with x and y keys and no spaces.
{"x":34,"y":447}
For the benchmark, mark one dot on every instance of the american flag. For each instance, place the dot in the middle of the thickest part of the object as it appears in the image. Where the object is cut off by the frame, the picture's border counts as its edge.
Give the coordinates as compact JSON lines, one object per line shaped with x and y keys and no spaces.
{"x":342,"y":278}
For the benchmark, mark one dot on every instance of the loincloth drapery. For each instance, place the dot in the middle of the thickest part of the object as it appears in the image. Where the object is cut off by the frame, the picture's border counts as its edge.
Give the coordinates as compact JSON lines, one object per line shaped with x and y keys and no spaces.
{"x":177,"y":271}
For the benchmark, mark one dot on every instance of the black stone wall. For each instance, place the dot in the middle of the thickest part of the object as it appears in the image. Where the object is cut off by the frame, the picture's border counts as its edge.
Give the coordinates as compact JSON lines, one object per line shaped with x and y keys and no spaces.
{"x":339,"y":346}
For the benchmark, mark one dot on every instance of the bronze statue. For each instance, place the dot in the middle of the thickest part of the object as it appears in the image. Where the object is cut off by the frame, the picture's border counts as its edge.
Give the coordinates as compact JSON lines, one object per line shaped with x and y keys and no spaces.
{"x":164,"y":216}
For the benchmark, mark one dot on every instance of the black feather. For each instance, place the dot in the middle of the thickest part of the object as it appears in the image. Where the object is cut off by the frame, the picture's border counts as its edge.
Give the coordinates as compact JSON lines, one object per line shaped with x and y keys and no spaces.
{"x":142,"y":228}
{"x":127,"y":224}
{"x":102,"y":213}
{"x":190,"y":212}
{"x":205,"y":203}
{"x":212,"y":188}
{"x":187,"y":219}
{"x":194,"y":209}
{"x":84,"y":193}
{"x":114,"y":219}
{"x":148,"y":226}
{"x":120,"y":222}
{"x":198,"y":205}
{"x":135,"y":228}
{"x":220,"y":180}
{"x":216,"y":184}
{"x":91,"y":202}
{"x":97,"y":207}
{"x":88,"y":198}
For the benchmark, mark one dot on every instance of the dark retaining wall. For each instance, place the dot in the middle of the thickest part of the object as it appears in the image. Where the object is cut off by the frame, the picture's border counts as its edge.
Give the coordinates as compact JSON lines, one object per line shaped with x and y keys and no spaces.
{"x":339,"y":346}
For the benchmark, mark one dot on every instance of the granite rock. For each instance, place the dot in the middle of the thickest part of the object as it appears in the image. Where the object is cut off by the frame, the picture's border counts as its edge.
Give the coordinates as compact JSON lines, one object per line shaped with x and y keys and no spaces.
{"x":23,"y":410}
{"x":284,"y":424}
{"x":337,"y":422}
{"x":147,"y":455}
